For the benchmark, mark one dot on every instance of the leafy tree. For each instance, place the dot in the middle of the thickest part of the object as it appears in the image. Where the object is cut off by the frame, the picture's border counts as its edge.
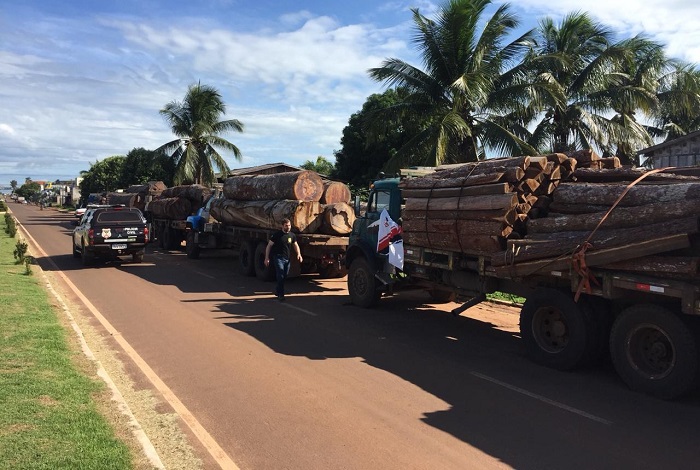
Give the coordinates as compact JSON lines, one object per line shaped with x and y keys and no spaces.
{"x":321,"y":166}
{"x":29,"y":189}
{"x":365,"y":149}
{"x":470,"y":85}
{"x":142,"y":166}
{"x":13,"y":185}
{"x":195,"y":121}
{"x":103,"y":176}
{"x":678,"y":94}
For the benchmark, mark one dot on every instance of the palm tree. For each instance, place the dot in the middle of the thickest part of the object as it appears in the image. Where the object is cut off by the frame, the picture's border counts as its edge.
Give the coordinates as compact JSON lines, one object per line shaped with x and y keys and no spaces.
{"x":678,"y":111}
{"x":471,"y":85}
{"x":196,"y":123}
{"x":579,"y":57}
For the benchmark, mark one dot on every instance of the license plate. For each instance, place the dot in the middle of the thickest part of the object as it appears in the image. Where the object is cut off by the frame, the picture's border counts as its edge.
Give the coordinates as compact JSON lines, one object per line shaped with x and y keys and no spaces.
{"x":119,"y":246}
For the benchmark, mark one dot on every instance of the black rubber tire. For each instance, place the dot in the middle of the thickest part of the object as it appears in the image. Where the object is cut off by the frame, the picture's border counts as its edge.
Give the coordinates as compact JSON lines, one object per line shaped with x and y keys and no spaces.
{"x":439,"y":296}
{"x":332,"y":271}
{"x":76,"y":252}
{"x":87,"y":257}
{"x":654,"y":351}
{"x":191,"y":248}
{"x":554,"y":329}
{"x":362,"y":285}
{"x":137,"y":257}
{"x":262,"y":272}
{"x":246,"y":258}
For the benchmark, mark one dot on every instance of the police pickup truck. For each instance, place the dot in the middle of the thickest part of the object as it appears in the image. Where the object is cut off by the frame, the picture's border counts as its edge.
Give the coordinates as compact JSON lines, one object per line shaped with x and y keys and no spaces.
{"x":109,"y":232}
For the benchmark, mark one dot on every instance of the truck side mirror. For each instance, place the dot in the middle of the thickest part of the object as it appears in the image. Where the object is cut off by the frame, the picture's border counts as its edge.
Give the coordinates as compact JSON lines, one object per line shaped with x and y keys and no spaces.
{"x":357,"y":205}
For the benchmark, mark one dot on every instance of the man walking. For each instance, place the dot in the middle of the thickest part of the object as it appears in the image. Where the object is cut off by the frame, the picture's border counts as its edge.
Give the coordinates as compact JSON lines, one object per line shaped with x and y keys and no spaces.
{"x":278,"y":250}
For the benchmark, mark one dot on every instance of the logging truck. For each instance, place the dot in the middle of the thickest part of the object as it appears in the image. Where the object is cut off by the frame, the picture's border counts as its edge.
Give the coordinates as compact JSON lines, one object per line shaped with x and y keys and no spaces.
{"x":322,"y":253}
{"x":578,"y":308}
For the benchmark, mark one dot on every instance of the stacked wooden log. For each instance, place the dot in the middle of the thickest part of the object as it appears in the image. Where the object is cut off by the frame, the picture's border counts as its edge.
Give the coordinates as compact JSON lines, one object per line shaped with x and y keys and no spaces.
{"x":475,"y":207}
{"x":178,"y":202}
{"x":652,"y":221}
{"x":263,"y":201}
{"x":137,"y":195}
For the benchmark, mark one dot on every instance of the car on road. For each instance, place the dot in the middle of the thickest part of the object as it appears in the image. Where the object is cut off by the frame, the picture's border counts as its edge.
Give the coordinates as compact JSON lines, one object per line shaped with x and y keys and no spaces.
{"x":109,"y":232}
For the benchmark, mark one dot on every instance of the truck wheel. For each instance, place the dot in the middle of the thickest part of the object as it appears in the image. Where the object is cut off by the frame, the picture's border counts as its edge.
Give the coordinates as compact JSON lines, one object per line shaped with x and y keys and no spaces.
{"x":246,"y":258}
{"x":137,"y":257}
{"x":264,"y":273}
{"x":362,"y":285}
{"x":554,"y":329}
{"x":654,"y":351}
{"x":87,"y":256}
{"x":191,"y":248}
{"x":332,"y":271}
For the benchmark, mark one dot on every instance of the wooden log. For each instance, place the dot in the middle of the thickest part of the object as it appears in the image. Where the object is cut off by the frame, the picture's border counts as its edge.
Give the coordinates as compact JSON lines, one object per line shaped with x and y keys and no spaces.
{"x":593,"y":258}
{"x":338,"y":218}
{"x":474,"y":245}
{"x":492,"y":165}
{"x":528,"y":185}
{"x":304,"y":215}
{"x":558,"y":209}
{"x":609,"y":163}
{"x":502,"y":215}
{"x":658,"y":264}
{"x":550,"y":245}
{"x":335,"y":191}
{"x":607,"y":194}
{"x":496,"y":188}
{"x":460,"y":227}
{"x":475,"y":203}
{"x":584,"y":157}
{"x":511,"y":173}
{"x":195,"y":193}
{"x":152,"y":188}
{"x":429,"y":182}
{"x":175,"y":208}
{"x":303,"y":185}
{"x":625,"y":174}
{"x":557,"y":158}
{"x":128,"y":199}
{"x":620,"y":217}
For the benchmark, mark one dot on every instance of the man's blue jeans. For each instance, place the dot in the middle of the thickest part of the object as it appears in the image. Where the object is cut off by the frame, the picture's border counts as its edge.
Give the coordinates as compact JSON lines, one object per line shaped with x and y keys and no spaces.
{"x":281,"y":271}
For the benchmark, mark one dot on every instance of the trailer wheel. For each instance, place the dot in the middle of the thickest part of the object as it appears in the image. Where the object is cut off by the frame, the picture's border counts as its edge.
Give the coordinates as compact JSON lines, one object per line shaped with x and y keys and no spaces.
{"x":362,"y":285}
{"x":554,"y":329}
{"x":654,"y":351}
{"x":191,"y":248}
{"x":246,"y":258}
{"x":264,"y":273}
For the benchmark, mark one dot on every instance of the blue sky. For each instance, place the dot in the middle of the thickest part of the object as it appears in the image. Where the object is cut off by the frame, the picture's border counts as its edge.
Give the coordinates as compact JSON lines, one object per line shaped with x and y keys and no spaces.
{"x":84,"y":80}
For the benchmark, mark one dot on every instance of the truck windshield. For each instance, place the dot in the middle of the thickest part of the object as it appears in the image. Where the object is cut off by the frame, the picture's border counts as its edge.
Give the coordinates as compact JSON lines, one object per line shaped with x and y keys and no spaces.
{"x":378,"y":201}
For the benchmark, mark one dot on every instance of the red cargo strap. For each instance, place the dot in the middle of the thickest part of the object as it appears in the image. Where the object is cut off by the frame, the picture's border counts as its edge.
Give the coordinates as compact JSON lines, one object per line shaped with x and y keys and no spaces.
{"x":578,"y":258}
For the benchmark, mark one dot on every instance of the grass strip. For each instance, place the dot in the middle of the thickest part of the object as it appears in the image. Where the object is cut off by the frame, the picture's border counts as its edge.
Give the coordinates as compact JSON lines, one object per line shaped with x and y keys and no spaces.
{"x":48,"y":415}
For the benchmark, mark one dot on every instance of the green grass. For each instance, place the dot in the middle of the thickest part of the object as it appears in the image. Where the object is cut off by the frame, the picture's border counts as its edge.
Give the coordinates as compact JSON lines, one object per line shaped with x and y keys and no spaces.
{"x":49,"y":418}
{"x":504,"y":297}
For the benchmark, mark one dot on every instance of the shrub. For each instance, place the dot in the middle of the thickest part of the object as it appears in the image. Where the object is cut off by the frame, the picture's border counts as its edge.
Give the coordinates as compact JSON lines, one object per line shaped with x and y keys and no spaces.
{"x":10,"y":225}
{"x":28,"y":261}
{"x":20,"y":251}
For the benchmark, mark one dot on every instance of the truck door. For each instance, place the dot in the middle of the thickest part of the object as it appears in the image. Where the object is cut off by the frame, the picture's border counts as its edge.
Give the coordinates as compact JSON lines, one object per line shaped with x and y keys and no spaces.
{"x":378,"y":200}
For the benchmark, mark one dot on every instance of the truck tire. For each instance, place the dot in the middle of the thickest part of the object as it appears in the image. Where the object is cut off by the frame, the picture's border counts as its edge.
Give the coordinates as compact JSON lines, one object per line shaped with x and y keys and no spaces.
{"x":554,"y":329}
{"x":76,"y":253}
{"x":137,"y":257}
{"x":246,"y":258}
{"x":332,"y":271}
{"x":87,"y":256}
{"x":264,"y":273}
{"x":191,"y":248}
{"x":654,"y":351}
{"x":362,"y":285}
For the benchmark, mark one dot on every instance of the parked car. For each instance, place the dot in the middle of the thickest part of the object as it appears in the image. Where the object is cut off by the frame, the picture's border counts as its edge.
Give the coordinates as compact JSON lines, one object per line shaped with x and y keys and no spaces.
{"x":110,"y":232}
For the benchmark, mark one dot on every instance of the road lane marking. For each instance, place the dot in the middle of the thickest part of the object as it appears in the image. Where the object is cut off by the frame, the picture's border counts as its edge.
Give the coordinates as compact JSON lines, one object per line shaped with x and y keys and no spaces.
{"x":205,"y":275}
{"x":209,"y":443}
{"x":303,"y":310}
{"x":543,"y":399}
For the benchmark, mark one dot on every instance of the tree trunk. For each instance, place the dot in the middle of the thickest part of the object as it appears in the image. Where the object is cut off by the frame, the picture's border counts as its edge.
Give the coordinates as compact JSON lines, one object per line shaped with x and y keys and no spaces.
{"x":154,"y":188}
{"x":335,"y":191}
{"x":485,"y":189}
{"x":338,"y":218}
{"x":304,"y":215}
{"x":474,"y":245}
{"x":620,"y":217}
{"x":174,"y":208}
{"x":474,"y":203}
{"x":294,"y":185}
{"x":459,"y":227}
{"x":587,"y":175}
{"x":607,"y":194}
{"x":196,"y":193}
{"x":128,"y":199}
{"x":506,"y":216}
{"x":429,"y":182}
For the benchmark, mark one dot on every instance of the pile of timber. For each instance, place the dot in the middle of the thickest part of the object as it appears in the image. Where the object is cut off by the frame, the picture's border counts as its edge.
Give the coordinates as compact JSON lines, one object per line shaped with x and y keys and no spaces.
{"x":137,"y":195}
{"x":474,"y":208}
{"x":263,"y":201}
{"x":178,"y":202}
{"x":651,"y":229}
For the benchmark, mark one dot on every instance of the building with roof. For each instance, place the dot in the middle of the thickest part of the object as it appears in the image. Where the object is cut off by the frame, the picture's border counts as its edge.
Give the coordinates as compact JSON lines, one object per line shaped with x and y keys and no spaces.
{"x":682,"y":151}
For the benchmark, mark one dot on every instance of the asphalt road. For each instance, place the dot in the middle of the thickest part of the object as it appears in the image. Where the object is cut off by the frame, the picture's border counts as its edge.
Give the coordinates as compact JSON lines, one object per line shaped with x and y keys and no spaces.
{"x":316,"y":383}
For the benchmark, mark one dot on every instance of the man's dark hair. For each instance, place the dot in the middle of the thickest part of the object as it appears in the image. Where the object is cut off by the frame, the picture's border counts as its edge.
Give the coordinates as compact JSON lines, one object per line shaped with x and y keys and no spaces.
{"x":284,"y":221}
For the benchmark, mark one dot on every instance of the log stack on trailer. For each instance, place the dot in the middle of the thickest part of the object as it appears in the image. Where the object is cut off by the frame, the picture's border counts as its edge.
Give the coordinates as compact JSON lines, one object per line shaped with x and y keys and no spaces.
{"x":137,"y":195}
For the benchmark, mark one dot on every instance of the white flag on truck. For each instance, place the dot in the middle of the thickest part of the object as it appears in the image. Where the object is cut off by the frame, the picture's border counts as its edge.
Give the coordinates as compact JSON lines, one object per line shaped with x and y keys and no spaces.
{"x":390,"y":237}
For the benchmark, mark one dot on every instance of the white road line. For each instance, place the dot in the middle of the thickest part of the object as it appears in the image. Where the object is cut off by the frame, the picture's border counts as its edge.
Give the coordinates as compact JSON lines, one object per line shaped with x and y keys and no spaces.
{"x":216,"y":452}
{"x":302,"y":310}
{"x":543,"y":399}
{"x":205,"y":275}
